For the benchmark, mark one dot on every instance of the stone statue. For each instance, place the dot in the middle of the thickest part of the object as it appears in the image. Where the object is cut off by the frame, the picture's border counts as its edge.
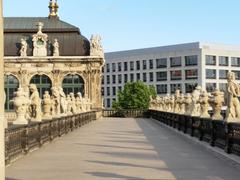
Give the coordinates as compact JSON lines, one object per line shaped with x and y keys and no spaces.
{"x":216,"y":102}
{"x":177,"y":104}
{"x":195,"y":111}
{"x":233,"y":105}
{"x":96,"y":48}
{"x":35,"y":112}
{"x":172,"y":100}
{"x":40,"y":42}
{"x":55,"y":48}
{"x":55,"y":102}
{"x":182,"y":104}
{"x":69,"y":105}
{"x":84,"y":104}
{"x":204,"y":105}
{"x":21,"y":104}
{"x":167,"y":103}
{"x":73,"y":103}
{"x":160,"y":103}
{"x":188,"y":104}
{"x":79,"y":102}
{"x":23,"y":50}
{"x":47,"y":106}
{"x":63,"y":102}
{"x":89,"y":104}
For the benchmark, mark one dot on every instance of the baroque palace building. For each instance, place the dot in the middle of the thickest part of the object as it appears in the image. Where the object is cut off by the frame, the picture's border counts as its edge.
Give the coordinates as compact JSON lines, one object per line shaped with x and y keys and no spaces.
{"x":49,"y":52}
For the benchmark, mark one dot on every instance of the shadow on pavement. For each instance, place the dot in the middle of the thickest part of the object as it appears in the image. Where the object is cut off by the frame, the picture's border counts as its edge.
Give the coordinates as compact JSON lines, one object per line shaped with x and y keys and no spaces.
{"x":112,"y":175}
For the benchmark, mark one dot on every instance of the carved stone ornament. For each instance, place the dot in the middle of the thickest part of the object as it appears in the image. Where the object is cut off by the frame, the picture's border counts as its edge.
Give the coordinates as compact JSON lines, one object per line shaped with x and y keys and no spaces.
{"x":23,"y":50}
{"x":96,"y":48}
{"x":21,"y":103}
{"x":233,"y":104}
{"x":35,"y":112}
{"x":40,"y":42}
{"x":55,"y":48}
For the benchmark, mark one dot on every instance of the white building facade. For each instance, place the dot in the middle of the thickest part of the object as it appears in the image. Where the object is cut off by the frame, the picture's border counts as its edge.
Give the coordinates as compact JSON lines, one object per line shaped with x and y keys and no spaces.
{"x":168,"y":68}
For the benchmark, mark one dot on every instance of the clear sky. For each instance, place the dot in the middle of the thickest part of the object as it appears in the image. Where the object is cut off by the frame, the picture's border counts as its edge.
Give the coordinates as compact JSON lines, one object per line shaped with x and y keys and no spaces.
{"x":132,"y":24}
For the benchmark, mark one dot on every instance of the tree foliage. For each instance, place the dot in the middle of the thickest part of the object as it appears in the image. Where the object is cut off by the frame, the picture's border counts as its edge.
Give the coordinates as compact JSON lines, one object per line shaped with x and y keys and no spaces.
{"x":135,"y":95}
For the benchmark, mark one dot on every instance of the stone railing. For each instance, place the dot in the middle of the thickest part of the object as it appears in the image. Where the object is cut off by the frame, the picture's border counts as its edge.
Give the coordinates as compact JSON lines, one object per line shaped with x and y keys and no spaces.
{"x":215,"y":132}
{"x":134,"y":113}
{"x":22,"y":139}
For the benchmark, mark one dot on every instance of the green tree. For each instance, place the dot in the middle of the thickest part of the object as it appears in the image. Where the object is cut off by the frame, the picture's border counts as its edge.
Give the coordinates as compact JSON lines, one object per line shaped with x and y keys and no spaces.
{"x":135,"y":95}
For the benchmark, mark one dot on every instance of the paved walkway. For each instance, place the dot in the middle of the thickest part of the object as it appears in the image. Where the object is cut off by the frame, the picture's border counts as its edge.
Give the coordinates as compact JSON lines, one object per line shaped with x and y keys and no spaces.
{"x":122,"y":149}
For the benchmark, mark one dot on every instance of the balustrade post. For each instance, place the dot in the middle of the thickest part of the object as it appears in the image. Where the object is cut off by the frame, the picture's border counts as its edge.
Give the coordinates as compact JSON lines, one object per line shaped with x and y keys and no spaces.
{"x":51,"y":130}
{"x":59,"y":127}
{"x":25,"y":142}
{"x":7,"y":158}
{"x":185,"y":124}
{"x":200,"y":130}
{"x":192,"y":119}
{"x":179,"y":122}
{"x":229,"y":136}
{"x":40,"y":134}
{"x":72,"y":126}
{"x":213,"y":135}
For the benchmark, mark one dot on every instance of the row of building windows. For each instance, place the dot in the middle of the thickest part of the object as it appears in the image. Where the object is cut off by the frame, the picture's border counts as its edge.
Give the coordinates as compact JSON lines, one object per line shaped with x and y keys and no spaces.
{"x":222,"y":61}
{"x":211,"y":74}
{"x":160,"y":76}
{"x":174,"y":62}
{"x":144,"y":64}
{"x":163,"y":88}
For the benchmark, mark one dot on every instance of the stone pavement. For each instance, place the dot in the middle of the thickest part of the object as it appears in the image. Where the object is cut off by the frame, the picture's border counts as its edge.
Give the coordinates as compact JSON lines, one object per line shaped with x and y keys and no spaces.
{"x":117,"y":148}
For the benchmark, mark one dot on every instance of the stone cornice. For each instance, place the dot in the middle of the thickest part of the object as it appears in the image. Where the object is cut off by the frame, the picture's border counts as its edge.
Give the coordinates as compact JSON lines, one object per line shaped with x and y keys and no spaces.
{"x":52,"y":59}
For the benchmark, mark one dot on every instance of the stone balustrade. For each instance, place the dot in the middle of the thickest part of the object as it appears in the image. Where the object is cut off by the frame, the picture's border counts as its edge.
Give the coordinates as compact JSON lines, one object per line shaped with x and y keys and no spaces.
{"x":217,"y":133}
{"x":22,"y":139}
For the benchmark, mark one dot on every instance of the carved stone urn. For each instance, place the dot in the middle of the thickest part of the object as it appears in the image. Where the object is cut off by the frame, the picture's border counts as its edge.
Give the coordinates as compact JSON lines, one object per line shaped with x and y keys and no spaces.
{"x":47,"y":104}
{"x":216,"y":101}
{"x":21,"y":103}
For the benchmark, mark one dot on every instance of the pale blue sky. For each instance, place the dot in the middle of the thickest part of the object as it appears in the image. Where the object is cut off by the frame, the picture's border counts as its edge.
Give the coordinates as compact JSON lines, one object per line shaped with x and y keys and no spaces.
{"x":132,"y":24}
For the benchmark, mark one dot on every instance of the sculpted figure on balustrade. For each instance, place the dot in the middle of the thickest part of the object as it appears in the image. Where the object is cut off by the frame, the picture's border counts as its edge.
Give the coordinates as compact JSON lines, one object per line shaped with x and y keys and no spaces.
{"x":167,"y":103}
{"x":159,"y":103}
{"x":79,"y":102}
{"x":233,"y":105}
{"x":188,"y":103}
{"x":63,"y":102}
{"x":55,"y":102}
{"x":216,"y":101}
{"x":177,"y":104}
{"x":35,"y":112}
{"x":182,"y":103}
{"x":69,"y":105}
{"x":21,"y":103}
{"x":172,"y":100}
{"x":195,"y":102}
{"x":73,"y":103}
{"x":23,"y":50}
{"x":47,"y":106}
{"x":204,"y":104}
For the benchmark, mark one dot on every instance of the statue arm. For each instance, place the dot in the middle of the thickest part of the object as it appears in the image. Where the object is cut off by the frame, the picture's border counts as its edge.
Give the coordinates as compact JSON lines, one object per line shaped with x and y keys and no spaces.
{"x":232,"y":91}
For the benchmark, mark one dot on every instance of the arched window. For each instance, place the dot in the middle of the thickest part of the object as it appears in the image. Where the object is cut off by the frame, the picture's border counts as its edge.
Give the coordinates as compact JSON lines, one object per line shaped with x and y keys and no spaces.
{"x":43,"y":83}
{"x":11,"y":85}
{"x":73,"y":83}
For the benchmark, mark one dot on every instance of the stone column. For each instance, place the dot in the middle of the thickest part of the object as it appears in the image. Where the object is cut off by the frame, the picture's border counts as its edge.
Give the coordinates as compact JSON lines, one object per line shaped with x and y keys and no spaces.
{"x":2,"y":99}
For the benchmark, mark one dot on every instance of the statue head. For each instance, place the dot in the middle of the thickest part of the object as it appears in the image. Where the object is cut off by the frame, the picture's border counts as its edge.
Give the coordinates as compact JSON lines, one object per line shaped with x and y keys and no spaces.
{"x":32,"y":87}
{"x":231,"y":76}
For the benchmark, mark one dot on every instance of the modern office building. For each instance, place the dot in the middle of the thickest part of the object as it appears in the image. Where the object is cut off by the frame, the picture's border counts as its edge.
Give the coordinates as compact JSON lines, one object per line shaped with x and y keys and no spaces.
{"x":182,"y":66}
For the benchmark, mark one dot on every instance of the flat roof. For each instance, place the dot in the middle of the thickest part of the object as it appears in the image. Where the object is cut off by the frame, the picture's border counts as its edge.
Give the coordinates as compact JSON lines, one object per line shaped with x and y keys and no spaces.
{"x":171,"y":48}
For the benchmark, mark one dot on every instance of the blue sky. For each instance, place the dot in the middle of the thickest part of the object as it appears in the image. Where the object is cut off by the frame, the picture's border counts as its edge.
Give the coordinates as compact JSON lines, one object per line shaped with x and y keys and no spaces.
{"x":132,"y":24}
